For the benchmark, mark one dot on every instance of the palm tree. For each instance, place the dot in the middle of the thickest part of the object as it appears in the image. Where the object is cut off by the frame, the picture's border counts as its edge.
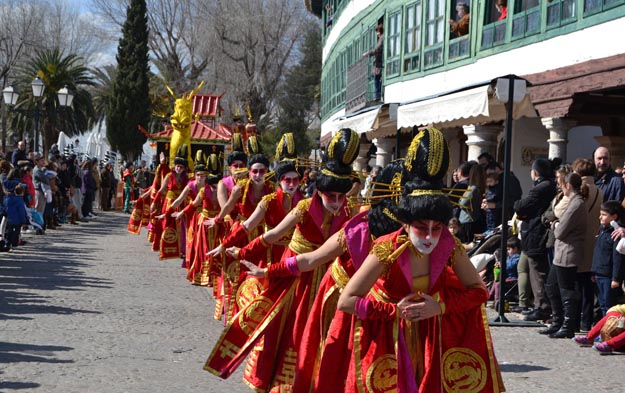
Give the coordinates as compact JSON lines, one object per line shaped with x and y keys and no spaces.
{"x":57,"y":70}
{"x":103,"y":78}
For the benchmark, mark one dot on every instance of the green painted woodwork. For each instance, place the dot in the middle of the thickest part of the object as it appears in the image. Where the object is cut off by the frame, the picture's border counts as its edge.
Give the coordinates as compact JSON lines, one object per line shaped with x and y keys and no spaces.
{"x":418,"y":43}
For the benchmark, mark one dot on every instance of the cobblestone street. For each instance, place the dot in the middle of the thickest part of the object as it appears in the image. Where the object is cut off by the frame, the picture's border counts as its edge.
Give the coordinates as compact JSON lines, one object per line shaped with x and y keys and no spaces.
{"x":92,"y":309}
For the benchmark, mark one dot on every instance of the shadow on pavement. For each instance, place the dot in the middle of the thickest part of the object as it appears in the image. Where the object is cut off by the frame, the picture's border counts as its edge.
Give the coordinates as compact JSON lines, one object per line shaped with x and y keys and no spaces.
{"x":16,"y":353}
{"x":48,"y":263}
{"x":18,"y":385}
{"x":520,"y":368}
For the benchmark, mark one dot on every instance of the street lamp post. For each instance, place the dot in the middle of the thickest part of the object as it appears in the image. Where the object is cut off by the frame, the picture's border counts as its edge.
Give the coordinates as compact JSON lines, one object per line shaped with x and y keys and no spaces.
{"x":10,"y":97}
{"x":38,"y":88}
{"x":65,"y":100}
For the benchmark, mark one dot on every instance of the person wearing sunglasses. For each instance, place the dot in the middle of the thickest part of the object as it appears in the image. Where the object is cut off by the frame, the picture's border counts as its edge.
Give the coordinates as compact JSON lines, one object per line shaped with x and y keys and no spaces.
{"x":279,"y":312}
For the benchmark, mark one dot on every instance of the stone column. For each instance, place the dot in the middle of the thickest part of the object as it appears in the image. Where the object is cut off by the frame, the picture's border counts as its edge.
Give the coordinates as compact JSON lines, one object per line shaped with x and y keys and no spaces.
{"x":384,"y":150}
{"x":558,"y":135}
{"x":363,"y":159}
{"x":481,"y":139}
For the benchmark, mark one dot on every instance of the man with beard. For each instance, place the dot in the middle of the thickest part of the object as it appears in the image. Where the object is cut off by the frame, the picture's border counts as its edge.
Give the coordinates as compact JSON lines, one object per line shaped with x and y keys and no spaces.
{"x":606,"y":179}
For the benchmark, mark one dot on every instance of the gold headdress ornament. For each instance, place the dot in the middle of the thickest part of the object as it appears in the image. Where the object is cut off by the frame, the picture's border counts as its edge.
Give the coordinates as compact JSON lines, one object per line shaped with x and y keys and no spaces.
{"x":200,"y":161}
{"x":248,"y":109}
{"x":235,"y":112}
{"x":349,"y":155}
{"x":237,"y":142}
{"x":214,"y":164}
{"x":286,"y":147}
{"x":428,"y":155}
{"x":252,"y":145}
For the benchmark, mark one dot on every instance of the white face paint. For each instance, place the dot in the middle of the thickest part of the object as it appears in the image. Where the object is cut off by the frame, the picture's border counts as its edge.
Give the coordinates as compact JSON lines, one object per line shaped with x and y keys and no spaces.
{"x":289,"y":182}
{"x":178,"y":169}
{"x":257,"y":173}
{"x":332,"y":201}
{"x":425,"y":235}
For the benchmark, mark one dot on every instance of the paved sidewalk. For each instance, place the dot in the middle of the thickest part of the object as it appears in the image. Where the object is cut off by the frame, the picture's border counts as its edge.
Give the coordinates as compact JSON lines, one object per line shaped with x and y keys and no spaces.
{"x":92,"y":309}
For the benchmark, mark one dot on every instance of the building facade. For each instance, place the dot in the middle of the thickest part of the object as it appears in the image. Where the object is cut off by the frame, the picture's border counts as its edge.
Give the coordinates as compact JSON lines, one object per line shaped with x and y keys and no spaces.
{"x":566,"y":56}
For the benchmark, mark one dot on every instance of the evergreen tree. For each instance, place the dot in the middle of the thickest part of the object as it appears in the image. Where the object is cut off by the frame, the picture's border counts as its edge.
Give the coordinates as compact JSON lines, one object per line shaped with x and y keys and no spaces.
{"x":299,"y":97}
{"x":129,"y":104}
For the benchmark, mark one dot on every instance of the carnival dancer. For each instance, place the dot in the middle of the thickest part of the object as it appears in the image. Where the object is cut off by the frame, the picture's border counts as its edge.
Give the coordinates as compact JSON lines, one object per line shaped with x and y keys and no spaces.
{"x":188,"y":195}
{"x":278,"y":315}
{"x":201,"y":270}
{"x":273,"y":207}
{"x":155,"y":203}
{"x":140,"y":215}
{"x":237,"y":166}
{"x":407,"y":297}
{"x":326,"y":337}
{"x":245,"y":197}
{"x":173,"y":184}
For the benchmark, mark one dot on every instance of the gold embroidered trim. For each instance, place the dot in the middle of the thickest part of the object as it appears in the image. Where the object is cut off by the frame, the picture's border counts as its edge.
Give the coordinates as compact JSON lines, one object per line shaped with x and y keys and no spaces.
{"x":341,"y":239}
{"x":328,"y":172}
{"x":339,"y":275}
{"x":383,"y":251}
{"x":426,"y":192}
{"x":302,"y":207}
{"x":300,"y":244}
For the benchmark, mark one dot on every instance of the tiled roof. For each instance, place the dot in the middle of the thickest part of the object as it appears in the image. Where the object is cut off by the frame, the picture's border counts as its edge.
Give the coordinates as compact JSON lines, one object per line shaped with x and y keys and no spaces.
{"x":200,"y":132}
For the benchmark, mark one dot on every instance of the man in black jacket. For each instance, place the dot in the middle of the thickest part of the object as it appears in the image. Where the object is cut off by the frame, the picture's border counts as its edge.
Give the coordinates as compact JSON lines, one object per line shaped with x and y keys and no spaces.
{"x":534,"y":233}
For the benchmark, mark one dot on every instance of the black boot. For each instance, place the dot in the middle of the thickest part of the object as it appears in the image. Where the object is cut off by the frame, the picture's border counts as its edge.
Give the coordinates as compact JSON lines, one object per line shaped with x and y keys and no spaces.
{"x":556,"y":318}
{"x":570,"y":300}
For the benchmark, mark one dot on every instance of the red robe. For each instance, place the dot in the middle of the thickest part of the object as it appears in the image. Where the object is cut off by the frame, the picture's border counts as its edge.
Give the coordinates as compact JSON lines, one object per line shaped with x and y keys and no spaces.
{"x":202,"y":270}
{"x":234,"y":277}
{"x":392,"y":354}
{"x":278,"y":315}
{"x":155,"y":229}
{"x":170,"y":246}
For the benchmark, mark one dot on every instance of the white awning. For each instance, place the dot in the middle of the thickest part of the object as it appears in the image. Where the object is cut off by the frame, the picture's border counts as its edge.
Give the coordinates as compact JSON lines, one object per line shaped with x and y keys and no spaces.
{"x":472,"y":106}
{"x":360,"y":123}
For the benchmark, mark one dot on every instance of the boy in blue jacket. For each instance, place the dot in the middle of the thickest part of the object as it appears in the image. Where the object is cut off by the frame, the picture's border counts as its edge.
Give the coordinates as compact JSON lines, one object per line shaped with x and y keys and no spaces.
{"x":16,"y":211}
{"x":607,"y":263}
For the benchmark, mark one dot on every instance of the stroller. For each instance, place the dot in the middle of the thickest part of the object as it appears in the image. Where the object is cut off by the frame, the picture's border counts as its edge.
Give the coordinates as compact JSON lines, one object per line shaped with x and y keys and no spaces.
{"x":482,"y":256}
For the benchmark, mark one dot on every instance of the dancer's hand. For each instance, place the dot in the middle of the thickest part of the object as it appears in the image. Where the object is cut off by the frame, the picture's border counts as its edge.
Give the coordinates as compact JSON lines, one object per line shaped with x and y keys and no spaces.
{"x":177,"y":215}
{"x":254,"y":271}
{"x":215,"y":251}
{"x":422,"y":309}
{"x":160,"y":217}
{"x":233,"y":252}
{"x":209,"y":222}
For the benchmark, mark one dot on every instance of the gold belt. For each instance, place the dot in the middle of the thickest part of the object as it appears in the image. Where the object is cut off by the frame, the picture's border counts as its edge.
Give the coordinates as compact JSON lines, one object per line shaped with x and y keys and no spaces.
{"x":209,"y":213}
{"x":339,"y":275}
{"x":172,"y":194}
{"x":300,"y":244}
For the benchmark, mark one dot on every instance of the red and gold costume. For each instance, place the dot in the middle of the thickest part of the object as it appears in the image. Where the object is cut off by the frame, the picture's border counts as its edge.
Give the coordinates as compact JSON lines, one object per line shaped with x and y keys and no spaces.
{"x":220,"y":261}
{"x":274,"y":206}
{"x":326,"y":340}
{"x":202,"y":270}
{"x":233,"y":276}
{"x":278,"y":315}
{"x":141,"y":212}
{"x":450,"y":352}
{"x":170,"y":246}
{"x":188,"y":225}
